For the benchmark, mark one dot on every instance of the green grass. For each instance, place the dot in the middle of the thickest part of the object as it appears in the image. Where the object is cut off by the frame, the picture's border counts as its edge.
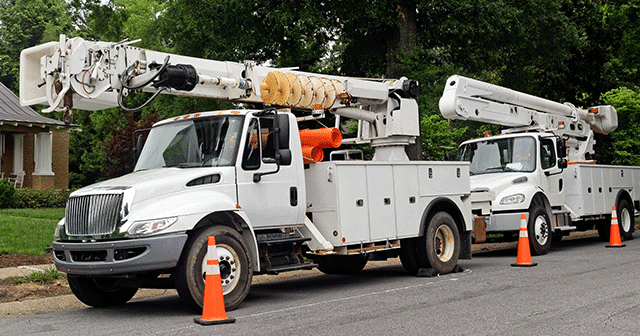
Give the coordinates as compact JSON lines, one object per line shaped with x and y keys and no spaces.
{"x":49,"y":274}
{"x":28,"y":231}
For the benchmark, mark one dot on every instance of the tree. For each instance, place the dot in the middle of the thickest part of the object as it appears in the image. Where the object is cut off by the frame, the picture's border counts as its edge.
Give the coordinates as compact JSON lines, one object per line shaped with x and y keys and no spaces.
{"x":26,"y":23}
{"x":623,"y":145}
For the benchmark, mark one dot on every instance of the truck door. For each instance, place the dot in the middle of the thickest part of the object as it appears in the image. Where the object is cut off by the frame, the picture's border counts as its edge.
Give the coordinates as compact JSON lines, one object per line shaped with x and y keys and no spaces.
{"x":552,"y":181}
{"x":274,"y":200}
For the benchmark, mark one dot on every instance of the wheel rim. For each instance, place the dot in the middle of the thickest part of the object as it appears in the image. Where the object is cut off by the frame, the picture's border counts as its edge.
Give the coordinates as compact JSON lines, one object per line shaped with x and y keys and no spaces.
{"x":625,"y":220}
{"x":444,"y":243}
{"x":230,"y":268}
{"x":541,"y":228}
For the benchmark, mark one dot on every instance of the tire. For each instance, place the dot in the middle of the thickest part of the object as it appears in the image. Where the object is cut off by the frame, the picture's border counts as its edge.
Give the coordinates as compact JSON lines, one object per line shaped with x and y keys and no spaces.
{"x":439,"y":248}
{"x":236,"y":270}
{"x":341,"y":264}
{"x":626,"y":219}
{"x":408,"y":255}
{"x":100,"y":292}
{"x":539,"y":231}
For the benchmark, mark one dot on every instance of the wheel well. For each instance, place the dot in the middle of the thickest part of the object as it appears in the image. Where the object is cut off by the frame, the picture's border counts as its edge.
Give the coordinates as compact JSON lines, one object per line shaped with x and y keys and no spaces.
{"x":219,"y":218}
{"x":446,"y":205}
{"x":624,"y":195}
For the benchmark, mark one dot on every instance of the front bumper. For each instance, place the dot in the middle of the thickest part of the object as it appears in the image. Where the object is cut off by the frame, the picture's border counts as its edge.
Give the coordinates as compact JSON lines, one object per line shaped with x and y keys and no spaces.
{"x":502,"y":222}
{"x":119,"y":257}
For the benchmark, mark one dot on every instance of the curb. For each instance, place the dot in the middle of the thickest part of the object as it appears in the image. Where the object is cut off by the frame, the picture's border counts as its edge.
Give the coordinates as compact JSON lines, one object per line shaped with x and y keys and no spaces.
{"x":23,"y":270}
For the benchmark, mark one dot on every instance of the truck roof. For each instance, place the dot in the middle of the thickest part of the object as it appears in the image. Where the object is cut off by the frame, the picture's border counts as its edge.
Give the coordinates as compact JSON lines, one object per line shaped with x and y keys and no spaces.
{"x":242,"y":112}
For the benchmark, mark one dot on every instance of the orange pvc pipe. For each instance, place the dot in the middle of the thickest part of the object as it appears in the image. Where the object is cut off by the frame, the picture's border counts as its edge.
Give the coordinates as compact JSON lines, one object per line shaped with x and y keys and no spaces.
{"x":312,"y":154}
{"x":322,"y":137}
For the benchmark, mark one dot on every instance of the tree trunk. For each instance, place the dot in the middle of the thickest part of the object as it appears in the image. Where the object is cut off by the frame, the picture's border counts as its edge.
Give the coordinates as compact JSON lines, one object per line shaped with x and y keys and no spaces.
{"x":402,"y":41}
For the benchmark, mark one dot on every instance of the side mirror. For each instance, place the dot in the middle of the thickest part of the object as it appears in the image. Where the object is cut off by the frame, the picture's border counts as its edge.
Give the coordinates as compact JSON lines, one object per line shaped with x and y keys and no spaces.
{"x":562,"y":163}
{"x":561,"y":144}
{"x":137,"y":149}
{"x":281,"y":123}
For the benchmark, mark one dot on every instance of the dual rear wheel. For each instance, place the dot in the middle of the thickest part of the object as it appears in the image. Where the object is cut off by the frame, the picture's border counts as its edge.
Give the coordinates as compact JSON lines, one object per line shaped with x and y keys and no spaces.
{"x":438,"y":248}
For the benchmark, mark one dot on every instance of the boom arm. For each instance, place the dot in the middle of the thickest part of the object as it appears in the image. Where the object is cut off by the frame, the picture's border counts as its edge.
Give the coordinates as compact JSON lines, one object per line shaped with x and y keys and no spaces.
{"x":470,"y":99}
{"x":74,"y":73}
{"x":466,"y":98}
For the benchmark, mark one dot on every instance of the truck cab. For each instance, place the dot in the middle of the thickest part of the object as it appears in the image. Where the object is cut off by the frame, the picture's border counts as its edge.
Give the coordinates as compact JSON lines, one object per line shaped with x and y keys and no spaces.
{"x":519,"y":173}
{"x":194,"y":170}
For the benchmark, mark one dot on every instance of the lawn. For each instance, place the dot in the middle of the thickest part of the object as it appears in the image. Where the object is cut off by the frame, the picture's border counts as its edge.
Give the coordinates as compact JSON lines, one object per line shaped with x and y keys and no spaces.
{"x":28,"y":231}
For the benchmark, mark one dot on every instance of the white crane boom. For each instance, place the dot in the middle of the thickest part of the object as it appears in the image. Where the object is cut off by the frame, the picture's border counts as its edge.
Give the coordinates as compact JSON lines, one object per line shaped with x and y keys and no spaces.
{"x":74,"y":73}
{"x":94,"y":72}
{"x":470,"y":99}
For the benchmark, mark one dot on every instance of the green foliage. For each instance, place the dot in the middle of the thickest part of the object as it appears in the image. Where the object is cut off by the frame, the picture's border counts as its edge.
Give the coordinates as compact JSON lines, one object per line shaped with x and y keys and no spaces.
{"x":28,"y":231}
{"x":30,"y":198}
{"x":7,"y":192}
{"x":25,"y":23}
{"x":625,"y":141}
{"x":43,"y":276}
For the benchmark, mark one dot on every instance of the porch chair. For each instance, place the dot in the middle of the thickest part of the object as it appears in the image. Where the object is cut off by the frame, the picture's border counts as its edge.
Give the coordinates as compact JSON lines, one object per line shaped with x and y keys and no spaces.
{"x":17,"y":180}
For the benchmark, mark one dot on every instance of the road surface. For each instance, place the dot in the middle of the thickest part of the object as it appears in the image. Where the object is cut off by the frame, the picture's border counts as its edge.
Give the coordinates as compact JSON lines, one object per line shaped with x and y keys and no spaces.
{"x":580,"y":287}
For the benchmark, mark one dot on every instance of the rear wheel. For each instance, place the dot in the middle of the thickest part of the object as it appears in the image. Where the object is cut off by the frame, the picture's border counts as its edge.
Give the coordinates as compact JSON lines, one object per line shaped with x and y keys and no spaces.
{"x":100,"y":292}
{"x":439,"y":248}
{"x":236,"y":271}
{"x":341,"y":264}
{"x":539,"y":231}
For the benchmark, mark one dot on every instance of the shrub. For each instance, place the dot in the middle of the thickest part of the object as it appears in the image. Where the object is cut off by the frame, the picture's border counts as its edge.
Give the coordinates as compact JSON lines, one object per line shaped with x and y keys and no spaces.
{"x":30,"y":198}
{"x":7,"y":192}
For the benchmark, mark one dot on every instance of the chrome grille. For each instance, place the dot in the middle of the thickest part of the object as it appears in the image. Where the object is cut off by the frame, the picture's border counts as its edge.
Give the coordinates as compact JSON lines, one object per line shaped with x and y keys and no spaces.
{"x":92,"y":215}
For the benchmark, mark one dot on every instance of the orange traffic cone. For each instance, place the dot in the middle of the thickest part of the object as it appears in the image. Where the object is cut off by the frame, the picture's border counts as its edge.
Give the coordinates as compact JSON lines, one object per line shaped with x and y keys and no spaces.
{"x":614,"y":232}
{"x":524,"y":254}
{"x":213,"y":306}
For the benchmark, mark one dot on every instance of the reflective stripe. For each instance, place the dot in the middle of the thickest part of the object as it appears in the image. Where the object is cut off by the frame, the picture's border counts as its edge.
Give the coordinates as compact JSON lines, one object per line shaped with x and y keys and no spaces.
{"x":212,"y":264}
{"x":523,"y":233}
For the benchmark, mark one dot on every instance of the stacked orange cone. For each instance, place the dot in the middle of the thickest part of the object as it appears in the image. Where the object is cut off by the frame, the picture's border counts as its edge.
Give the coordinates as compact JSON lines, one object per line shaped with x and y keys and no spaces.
{"x":524,"y":254}
{"x":614,"y":234}
{"x":213,"y":306}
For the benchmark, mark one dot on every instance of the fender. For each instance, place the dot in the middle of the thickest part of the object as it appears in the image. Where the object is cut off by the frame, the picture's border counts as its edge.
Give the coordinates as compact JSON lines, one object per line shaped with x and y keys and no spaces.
{"x":447,"y":205}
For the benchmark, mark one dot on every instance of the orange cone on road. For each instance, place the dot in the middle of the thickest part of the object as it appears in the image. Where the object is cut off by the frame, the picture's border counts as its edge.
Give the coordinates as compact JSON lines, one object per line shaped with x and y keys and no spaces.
{"x":614,"y":232}
{"x":524,"y":254}
{"x":213,"y":306}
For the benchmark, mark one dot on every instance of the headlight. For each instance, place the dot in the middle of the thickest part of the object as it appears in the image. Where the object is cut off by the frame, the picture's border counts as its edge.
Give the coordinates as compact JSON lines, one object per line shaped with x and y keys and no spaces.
{"x":512,"y":199}
{"x":59,"y":228}
{"x":150,"y":226}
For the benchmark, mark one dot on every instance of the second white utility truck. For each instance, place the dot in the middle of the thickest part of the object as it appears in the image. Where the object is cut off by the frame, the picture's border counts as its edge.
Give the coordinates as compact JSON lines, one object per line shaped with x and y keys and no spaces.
{"x":245,"y":177}
{"x":544,"y":166}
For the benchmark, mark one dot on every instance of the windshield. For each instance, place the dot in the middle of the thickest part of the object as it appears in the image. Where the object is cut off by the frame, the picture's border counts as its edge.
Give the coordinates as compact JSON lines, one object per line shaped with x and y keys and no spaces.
{"x":500,"y":155}
{"x":203,"y":142}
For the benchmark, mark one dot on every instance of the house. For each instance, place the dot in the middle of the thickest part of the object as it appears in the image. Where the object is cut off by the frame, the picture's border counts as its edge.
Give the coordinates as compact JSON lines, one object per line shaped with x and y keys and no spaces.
{"x":32,"y":147}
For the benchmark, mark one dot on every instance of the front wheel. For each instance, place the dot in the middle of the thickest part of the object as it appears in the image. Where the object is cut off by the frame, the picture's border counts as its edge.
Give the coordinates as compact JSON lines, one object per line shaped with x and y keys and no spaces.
{"x":539,"y":231}
{"x":100,"y":292}
{"x":236,"y":271}
{"x":439,"y":248}
{"x":626,"y":220}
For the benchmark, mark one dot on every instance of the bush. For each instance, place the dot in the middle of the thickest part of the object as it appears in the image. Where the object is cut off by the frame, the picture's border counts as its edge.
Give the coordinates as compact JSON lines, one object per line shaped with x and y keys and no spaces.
{"x":7,"y":192}
{"x":30,"y":198}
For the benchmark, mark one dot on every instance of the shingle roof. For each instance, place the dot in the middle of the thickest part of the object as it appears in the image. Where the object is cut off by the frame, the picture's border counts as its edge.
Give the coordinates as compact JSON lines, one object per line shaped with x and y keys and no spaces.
{"x":11,"y":111}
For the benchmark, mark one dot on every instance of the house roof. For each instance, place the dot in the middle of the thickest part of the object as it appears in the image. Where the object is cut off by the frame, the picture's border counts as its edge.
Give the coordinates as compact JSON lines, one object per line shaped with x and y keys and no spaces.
{"x":11,"y":112}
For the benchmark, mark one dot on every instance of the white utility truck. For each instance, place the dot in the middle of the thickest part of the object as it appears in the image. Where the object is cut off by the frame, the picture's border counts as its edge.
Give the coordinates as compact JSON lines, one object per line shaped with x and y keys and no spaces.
{"x":543,"y":167}
{"x":239,"y":175}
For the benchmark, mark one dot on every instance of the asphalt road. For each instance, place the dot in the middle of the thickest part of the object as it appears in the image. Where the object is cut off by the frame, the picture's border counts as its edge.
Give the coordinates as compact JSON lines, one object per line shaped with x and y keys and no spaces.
{"x":580,"y":287}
